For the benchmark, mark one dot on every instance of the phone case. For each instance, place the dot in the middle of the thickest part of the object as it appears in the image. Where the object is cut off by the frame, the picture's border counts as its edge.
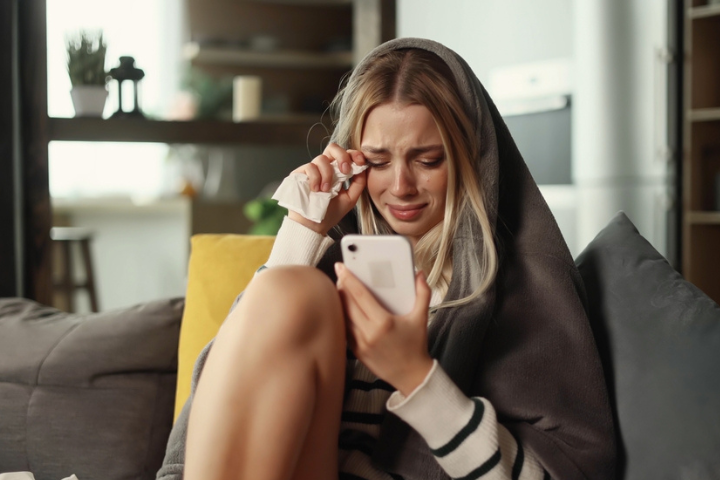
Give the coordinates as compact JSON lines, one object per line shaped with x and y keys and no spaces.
{"x":384,"y":263}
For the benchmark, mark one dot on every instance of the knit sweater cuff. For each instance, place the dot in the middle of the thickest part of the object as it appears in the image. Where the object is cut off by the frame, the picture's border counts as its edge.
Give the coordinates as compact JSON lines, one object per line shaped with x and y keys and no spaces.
{"x":437,"y":409}
{"x":295,"y":244}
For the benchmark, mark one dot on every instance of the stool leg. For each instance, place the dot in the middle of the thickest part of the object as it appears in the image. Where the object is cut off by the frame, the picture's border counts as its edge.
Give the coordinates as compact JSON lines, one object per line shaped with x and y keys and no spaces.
{"x":89,"y":274}
{"x":68,"y":283}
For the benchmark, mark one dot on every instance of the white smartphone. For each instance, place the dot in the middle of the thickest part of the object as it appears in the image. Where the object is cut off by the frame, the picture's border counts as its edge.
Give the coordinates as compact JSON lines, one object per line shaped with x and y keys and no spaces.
{"x":384,"y":263}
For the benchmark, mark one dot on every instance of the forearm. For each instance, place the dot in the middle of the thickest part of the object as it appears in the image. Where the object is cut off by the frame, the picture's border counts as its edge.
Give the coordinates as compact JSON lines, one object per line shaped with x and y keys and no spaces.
{"x":295,"y":244}
{"x":463,"y":433}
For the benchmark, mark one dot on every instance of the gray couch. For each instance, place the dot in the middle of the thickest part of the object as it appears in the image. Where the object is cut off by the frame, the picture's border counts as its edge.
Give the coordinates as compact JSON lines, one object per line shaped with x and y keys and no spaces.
{"x":90,"y":395}
{"x":93,"y":395}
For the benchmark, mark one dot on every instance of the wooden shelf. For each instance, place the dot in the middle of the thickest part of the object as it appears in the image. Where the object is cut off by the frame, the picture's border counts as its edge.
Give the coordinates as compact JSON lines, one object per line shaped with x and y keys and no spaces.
{"x":701,"y":143}
{"x":703,"y":218}
{"x":704,"y":114}
{"x":221,"y":55}
{"x":304,"y":2}
{"x":704,"y":11}
{"x":280,"y":130}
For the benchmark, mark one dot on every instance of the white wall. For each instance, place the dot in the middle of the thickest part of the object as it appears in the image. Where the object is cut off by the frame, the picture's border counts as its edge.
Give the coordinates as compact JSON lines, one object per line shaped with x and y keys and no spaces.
{"x":619,"y":94}
{"x":492,"y":33}
{"x":620,"y":133}
{"x":497,"y":33}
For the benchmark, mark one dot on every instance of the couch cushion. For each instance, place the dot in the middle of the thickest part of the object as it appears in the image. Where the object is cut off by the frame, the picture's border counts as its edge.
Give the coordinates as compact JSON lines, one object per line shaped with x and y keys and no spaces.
{"x":220,"y":268}
{"x":659,"y":338}
{"x":87,"y":394}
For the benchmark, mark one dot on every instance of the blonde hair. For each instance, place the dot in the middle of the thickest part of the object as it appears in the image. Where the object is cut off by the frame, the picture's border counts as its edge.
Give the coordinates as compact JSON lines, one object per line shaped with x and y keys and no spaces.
{"x":414,"y":76}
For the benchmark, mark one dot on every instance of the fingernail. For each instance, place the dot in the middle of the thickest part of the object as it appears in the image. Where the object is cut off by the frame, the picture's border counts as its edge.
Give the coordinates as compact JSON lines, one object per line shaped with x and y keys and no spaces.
{"x":326,"y":187}
{"x":345,"y":167}
{"x":338,"y":268}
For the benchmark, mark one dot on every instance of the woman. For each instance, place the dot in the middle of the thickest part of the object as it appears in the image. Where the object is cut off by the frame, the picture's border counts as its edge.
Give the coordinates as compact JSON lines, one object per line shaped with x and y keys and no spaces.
{"x":510,"y":386}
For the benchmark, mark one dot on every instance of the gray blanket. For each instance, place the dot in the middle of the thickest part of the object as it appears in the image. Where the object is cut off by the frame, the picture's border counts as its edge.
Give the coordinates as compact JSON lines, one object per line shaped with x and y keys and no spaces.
{"x":526,"y":345}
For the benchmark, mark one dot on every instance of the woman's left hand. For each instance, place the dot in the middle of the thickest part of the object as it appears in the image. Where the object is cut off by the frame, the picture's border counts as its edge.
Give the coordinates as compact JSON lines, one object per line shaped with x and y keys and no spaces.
{"x":393,"y":347}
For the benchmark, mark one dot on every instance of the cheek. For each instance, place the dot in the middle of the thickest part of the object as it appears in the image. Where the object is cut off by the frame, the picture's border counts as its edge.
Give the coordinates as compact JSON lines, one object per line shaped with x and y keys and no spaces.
{"x":436,"y":184}
{"x":375,"y":184}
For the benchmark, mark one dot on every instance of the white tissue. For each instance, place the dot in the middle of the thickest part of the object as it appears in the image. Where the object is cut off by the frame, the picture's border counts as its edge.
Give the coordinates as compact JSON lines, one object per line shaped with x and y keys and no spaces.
{"x":17,"y":476}
{"x":26,"y":476}
{"x":294,"y":192}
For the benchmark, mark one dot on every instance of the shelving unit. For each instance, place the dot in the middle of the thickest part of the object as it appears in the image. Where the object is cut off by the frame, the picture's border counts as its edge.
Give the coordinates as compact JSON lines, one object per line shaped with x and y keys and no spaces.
{"x":306,"y":65}
{"x":301,"y":50}
{"x":701,"y":156}
{"x":270,"y":130}
{"x":242,"y":57}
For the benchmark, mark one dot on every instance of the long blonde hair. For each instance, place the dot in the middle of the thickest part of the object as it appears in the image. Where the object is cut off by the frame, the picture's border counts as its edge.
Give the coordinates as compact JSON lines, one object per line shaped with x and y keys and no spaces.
{"x":414,"y":76}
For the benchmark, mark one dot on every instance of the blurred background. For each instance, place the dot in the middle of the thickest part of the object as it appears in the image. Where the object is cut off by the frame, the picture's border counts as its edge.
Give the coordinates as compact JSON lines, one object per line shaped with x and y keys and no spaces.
{"x":234,"y":95}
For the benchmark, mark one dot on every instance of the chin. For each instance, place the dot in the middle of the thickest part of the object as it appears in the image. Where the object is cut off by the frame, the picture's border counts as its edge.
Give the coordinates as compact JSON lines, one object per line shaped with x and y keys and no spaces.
{"x":408,"y":229}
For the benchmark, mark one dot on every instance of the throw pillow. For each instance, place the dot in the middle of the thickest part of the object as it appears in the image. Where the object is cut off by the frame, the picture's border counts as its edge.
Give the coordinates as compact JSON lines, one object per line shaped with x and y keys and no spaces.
{"x":90,"y":395}
{"x":220,"y":268}
{"x":659,"y":339}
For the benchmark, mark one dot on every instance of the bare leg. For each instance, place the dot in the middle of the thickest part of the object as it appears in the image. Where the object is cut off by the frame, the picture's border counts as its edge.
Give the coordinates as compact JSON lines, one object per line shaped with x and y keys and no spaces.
{"x":268,"y":403}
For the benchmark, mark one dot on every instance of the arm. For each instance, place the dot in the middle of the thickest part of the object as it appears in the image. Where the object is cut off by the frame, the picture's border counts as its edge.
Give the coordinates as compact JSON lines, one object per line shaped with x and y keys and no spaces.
{"x":296,"y":244}
{"x":463,"y":433}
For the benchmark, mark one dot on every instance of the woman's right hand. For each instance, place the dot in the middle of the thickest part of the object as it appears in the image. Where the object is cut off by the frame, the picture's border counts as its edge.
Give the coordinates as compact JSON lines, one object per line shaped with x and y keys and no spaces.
{"x":320,"y":176}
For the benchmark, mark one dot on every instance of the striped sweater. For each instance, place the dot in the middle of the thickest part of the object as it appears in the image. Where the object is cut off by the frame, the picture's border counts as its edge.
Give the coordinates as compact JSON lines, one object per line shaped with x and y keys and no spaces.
{"x":463,"y":433}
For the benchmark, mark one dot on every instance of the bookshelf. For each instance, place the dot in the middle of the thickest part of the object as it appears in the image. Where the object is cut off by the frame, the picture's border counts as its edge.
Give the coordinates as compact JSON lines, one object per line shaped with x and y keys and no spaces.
{"x":701,"y":156}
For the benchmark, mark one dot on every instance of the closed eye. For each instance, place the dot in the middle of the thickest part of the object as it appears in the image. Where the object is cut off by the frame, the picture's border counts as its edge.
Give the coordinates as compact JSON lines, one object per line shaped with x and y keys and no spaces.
{"x":376,"y":163}
{"x":430,"y":163}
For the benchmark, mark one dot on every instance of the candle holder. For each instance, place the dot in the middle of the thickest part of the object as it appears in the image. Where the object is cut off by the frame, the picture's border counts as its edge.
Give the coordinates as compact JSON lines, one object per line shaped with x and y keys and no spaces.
{"x":127,"y":71}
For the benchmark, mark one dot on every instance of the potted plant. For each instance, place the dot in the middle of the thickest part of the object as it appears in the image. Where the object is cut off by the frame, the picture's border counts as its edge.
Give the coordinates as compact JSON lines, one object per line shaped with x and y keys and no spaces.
{"x":86,"y":67}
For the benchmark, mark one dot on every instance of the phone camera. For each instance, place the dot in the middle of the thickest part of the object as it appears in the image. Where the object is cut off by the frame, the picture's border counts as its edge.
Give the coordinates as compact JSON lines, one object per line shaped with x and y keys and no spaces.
{"x":352,"y":247}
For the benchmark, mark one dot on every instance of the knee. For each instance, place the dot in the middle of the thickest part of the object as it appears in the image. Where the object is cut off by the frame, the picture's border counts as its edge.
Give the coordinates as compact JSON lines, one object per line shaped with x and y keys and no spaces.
{"x":296,"y":288}
{"x":297,"y":303}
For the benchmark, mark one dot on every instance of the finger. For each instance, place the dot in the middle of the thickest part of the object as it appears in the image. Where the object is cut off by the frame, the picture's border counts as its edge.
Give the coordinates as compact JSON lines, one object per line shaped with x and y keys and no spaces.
{"x":357,"y":325}
{"x":357,"y":185}
{"x":336,"y":152}
{"x":357,"y":157}
{"x":314,"y":177}
{"x":348,"y":198}
{"x":326,"y":172}
{"x":422,"y":296}
{"x":357,"y":321}
{"x":350,"y":330}
{"x":359,"y":293}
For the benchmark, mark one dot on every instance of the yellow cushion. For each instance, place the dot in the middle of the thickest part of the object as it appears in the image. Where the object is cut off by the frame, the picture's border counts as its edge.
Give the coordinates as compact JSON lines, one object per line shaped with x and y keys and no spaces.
{"x":220,"y":268}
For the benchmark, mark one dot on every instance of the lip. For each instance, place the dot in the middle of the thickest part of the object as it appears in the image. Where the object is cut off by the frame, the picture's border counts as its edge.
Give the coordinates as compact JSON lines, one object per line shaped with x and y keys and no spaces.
{"x":406,"y":212}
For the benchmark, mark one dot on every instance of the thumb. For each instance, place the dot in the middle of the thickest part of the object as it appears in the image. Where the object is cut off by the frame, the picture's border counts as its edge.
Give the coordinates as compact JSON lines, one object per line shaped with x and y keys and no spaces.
{"x":357,"y":185}
{"x":422,"y":295}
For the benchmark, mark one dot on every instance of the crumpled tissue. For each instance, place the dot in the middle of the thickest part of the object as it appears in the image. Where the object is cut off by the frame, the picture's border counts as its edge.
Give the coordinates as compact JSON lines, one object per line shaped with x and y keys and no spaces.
{"x":294,"y":192}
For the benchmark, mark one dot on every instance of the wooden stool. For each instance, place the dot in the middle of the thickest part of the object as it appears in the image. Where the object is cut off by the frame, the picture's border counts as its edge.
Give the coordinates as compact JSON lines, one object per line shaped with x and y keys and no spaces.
{"x":66,"y":286}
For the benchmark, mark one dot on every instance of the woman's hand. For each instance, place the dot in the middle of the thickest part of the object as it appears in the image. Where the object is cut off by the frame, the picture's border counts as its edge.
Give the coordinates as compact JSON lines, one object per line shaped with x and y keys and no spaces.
{"x":320,"y":176}
{"x":393,"y":347}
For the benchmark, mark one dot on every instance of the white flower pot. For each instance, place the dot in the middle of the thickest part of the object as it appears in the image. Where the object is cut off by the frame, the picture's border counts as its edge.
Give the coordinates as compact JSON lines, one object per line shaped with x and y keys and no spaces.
{"x":89,"y":100}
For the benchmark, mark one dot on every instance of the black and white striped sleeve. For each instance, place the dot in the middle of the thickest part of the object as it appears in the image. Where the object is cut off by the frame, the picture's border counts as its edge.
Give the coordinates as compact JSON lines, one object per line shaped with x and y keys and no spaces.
{"x":463,"y":433}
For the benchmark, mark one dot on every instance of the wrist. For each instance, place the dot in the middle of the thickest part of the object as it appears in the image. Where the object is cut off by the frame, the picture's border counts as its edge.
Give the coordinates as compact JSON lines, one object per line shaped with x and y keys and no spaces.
{"x":315,"y":227}
{"x":414,"y":377}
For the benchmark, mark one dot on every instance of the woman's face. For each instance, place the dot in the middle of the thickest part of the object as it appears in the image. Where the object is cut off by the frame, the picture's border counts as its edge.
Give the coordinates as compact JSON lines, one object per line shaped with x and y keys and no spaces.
{"x":407,"y":180}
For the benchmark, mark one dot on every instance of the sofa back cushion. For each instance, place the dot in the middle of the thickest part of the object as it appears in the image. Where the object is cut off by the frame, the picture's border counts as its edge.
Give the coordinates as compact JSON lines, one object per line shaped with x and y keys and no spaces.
{"x":220,"y":268}
{"x":90,"y":395}
{"x":659,"y":338}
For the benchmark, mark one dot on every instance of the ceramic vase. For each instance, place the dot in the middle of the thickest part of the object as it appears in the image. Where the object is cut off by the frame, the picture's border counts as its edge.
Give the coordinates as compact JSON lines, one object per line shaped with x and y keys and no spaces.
{"x":89,"y":100}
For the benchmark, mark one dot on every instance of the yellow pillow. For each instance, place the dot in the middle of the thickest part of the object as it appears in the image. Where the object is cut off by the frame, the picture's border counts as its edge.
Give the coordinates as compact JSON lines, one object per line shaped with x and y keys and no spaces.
{"x":220,"y":268}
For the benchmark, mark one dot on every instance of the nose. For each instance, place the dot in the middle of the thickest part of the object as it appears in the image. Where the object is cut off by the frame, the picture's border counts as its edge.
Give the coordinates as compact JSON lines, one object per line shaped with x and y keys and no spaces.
{"x":404,"y":184}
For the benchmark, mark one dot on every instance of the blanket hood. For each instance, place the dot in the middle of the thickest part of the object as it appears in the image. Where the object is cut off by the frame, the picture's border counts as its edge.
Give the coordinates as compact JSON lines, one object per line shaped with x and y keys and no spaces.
{"x":534,"y":313}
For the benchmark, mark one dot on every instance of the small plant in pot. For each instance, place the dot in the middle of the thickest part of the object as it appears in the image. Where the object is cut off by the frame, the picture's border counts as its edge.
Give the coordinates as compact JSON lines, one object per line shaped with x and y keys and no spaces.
{"x":86,"y":67}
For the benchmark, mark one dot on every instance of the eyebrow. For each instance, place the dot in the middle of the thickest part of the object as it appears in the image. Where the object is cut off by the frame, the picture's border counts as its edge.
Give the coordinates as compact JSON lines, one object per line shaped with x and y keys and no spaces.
{"x":412,"y":151}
